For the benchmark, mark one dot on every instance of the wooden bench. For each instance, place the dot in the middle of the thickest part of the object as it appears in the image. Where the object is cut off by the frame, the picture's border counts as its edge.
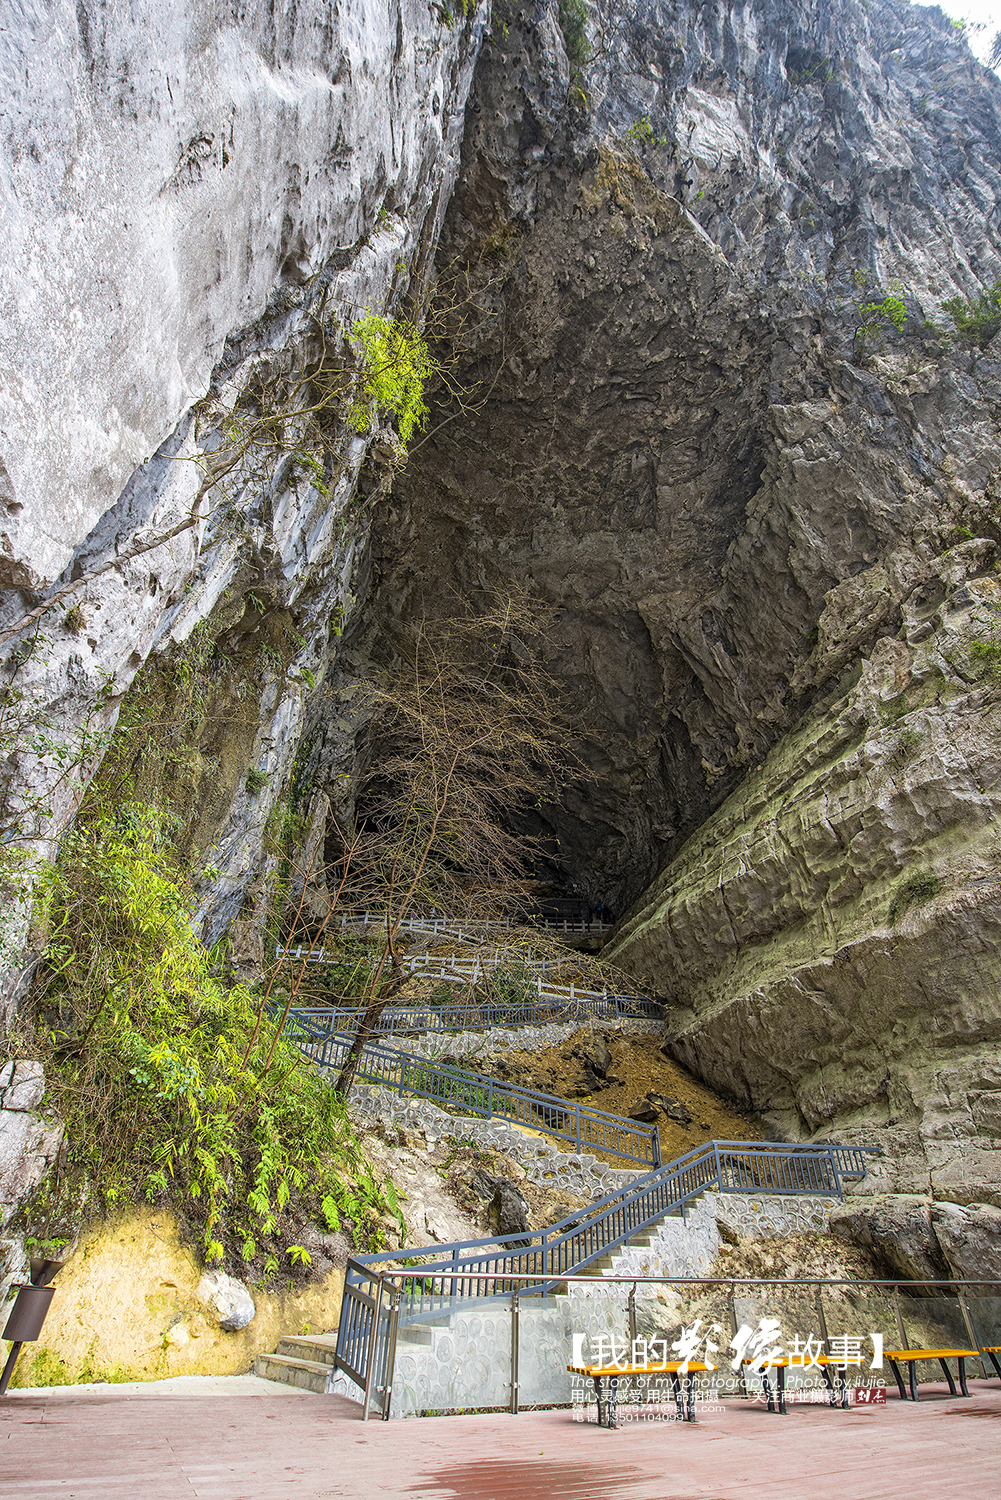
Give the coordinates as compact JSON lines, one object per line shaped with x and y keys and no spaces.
{"x":993,"y":1350}
{"x":684,"y":1397}
{"x":910,"y":1357}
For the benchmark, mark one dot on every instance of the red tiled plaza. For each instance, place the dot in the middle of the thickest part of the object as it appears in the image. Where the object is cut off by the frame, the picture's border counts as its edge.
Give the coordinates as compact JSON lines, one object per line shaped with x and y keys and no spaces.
{"x":248,"y":1440}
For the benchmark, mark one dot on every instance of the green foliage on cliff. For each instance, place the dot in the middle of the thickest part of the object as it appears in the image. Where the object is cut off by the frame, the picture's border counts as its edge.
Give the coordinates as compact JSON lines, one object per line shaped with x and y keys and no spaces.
{"x":916,"y":888}
{"x":877,"y":315}
{"x":977,"y":322}
{"x":573,"y":15}
{"x":396,"y":368}
{"x":173,"y":1086}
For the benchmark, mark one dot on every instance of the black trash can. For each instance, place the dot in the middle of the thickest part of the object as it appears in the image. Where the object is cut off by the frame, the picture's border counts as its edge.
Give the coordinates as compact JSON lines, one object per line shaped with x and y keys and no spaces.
{"x":28,"y":1313}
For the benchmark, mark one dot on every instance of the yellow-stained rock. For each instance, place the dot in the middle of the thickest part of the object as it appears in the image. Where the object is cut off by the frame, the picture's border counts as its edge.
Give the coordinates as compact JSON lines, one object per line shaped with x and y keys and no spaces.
{"x":126,"y":1308}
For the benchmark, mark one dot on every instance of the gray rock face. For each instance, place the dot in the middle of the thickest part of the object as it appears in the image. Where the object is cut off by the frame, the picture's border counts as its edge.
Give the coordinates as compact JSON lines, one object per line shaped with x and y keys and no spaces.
{"x":233,"y":1304}
{"x":191,"y":197}
{"x":828,"y":938}
{"x":768,"y":537}
{"x":28,"y":1145}
{"x":674,"y":438}
{"x":925,"y":1240}
{"x":162,"y":173}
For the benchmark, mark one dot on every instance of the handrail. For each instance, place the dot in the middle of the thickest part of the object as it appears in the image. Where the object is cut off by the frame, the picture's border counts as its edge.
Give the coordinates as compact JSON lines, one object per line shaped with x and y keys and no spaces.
{"x":456,"y":1018}
{"x":578,"y":1125}
{"x":548,"y":1256}
{"x":454,"y":968}
{"x":468,"y":971}
{"x":449,"y":926}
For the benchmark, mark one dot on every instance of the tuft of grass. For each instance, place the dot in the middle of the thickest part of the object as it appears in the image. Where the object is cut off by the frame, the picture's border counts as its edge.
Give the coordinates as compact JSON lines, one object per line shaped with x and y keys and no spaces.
{"x":988,"y":655}
{"x":905,"y":747}
{"x":915,"y":888}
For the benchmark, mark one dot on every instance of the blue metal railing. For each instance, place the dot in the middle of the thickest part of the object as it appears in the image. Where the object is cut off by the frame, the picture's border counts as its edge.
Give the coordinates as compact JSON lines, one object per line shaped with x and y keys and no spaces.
{"x":553,"y":1254}
{"x":471,"y":1017}
{"x":577,"y":1125}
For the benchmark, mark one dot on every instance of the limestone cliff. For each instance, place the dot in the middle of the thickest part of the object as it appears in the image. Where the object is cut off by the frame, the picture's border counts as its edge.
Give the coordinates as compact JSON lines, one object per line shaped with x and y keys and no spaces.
{"x":197,"y":204}
{"x":770,"y":545}
{"x":764,"y":517}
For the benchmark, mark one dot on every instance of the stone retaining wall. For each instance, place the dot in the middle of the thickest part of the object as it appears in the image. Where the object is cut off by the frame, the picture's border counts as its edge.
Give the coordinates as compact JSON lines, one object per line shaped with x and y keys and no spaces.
{"x":470,"y":1046}
{"x":584,"y":1176}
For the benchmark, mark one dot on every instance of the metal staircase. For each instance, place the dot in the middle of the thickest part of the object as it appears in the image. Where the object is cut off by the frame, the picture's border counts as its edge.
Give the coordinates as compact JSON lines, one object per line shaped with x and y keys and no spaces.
{"x":379,"y":1307}
{"x":382,"y":1308}
{"x":579,"y":1126}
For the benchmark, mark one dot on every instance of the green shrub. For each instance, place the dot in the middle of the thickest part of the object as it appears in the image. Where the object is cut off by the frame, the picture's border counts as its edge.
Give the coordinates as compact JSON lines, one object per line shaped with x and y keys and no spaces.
{"x":988,"y":655}
{"x":915,"y":888}
{"x":174,"y":1088}
{"x":956,"y":537}
{"x":396,"y":367}
{"x":977,"y":322}
{"x":573,"y":15}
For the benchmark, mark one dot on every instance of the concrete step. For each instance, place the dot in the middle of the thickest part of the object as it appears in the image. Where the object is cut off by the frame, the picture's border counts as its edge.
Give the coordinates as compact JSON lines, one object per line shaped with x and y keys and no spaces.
{"x":416,"y":1334}
{"x":317,"y":1348}
{"x":307,"y":1374}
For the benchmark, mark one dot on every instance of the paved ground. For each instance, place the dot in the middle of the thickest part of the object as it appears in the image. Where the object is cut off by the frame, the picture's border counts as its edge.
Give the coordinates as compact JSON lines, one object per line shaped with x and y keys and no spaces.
{"x":247,"y":1439}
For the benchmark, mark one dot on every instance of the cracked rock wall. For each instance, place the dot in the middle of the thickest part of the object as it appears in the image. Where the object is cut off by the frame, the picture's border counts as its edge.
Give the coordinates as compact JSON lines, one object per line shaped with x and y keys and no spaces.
{"x":185,"y":193}
{"x":769,"y":544}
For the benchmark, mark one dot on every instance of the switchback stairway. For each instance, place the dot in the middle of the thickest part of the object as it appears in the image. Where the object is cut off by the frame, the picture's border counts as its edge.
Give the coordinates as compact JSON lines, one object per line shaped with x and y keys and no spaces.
{"x":384,"y":1314}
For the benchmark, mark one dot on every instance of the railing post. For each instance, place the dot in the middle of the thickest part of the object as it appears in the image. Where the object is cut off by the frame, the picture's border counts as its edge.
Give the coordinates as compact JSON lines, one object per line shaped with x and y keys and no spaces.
{"x":394,"y":1323}
{"x":373,"y":1345}
{"x":900,"y":1319}
{"x":822,"y":1320}
{"x":514,"y":1353}
{"x":970,"y":1330}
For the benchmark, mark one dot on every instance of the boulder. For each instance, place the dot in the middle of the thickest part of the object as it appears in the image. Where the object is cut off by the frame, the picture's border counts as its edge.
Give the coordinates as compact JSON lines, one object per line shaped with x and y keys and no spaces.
{"x":233,"y":1304}
{"x":28,"y":1145}
{"x":680,"y":1113}
{"x":898,"y":1231}
{"x":597,"y":1056}
{"x":22,"y":1084}
{"x":970,"y":1239}
{"x":508,"y":1210}
{"x":589,"y":1083}
{"x":650,"y":1108}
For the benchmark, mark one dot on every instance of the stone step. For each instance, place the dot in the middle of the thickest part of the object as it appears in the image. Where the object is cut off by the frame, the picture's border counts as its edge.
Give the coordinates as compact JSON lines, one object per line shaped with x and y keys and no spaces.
{"x":307,"y":1374}
{"x":318,"y":1348}
{"x":417,"y":1333}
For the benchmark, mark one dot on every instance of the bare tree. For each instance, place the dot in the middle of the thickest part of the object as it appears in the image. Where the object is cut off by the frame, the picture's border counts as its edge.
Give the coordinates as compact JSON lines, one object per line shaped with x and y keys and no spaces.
{"x":466,"y":734}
